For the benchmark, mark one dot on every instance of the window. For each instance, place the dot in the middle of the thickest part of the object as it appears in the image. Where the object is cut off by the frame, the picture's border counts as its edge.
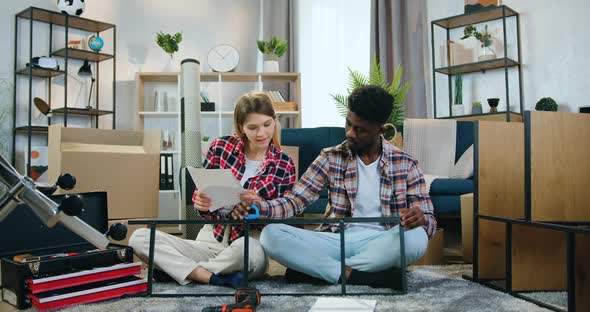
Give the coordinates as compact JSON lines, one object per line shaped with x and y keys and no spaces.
{"x":331,"y":36}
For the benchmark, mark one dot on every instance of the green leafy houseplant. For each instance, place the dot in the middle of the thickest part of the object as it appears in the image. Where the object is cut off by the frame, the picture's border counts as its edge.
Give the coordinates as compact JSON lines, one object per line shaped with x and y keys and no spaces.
{"x":274,"y":48}
{"x":484,"y":37}
{"x":377,"y":78}
{"x":169,"y":43}
{"x":546,"y":104}
{"x":476,"y":104}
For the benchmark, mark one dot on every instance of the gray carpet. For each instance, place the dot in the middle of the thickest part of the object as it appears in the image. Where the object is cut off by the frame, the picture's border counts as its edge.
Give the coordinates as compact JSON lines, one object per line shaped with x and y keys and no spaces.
{"x":430,"y":288}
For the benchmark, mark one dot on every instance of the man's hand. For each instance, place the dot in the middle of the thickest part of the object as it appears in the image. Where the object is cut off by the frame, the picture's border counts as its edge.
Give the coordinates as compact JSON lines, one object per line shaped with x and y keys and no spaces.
{"x":412,"y":217}
{"x":202,"y":202}
{"x":247,"y":198}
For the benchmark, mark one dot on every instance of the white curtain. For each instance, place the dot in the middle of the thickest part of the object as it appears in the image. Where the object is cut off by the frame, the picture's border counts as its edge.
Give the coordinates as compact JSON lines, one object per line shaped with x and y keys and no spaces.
{"x":331,"y":36}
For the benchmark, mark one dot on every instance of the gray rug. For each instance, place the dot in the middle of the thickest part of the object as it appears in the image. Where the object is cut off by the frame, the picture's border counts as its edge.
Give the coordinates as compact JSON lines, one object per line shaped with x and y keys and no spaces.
{"x":430,"y":288}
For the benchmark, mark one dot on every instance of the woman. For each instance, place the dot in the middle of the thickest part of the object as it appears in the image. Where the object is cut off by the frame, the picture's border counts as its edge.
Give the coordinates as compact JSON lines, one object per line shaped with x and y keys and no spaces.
{"x":254,"y":156}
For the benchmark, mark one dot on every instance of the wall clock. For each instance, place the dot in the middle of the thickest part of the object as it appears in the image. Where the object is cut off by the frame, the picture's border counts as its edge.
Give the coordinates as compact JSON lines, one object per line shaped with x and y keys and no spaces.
{"x":223,"y":58}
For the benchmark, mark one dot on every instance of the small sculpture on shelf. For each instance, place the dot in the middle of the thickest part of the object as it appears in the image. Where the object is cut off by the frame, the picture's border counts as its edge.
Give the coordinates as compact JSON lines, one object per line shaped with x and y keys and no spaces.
{"x":493,"y":102}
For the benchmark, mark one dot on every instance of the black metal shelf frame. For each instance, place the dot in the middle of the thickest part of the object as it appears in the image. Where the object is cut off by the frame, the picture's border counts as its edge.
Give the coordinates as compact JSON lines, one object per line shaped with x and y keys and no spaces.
{"x":34,"y":14}
{"x":152,"y":224}
{"x":501,"y":12}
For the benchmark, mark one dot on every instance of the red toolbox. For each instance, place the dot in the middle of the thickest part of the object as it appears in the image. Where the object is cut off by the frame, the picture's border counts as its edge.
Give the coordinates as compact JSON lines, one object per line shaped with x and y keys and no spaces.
{"x":53,"y":267}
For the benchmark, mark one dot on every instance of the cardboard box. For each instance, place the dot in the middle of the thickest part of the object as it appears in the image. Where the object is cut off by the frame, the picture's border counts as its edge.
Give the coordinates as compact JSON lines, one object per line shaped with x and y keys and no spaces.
{"x":125,"y":164}
{"x":293,"y":152}
{"x":467,"y":227}
{"x":130,"y":230}
{"x":434,"y":252}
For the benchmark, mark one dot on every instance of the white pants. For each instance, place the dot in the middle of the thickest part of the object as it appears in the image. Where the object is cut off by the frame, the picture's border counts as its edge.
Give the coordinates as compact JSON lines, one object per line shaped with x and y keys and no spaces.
{"x":318,"y":253}
{"x":179,"y":257}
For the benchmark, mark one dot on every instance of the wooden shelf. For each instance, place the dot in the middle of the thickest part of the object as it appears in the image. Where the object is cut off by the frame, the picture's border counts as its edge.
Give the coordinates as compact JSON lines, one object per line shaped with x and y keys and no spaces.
{"x":57,"y":18}
{"x":159,"y":114}
{"x":475,"y":17}
{"x":497,"y":116}
{"x":81,"y":111}
{"x":478,"y":66}
{"x":82,"y":55}
{"x":34,"y":129}
{"x":41,"y":72}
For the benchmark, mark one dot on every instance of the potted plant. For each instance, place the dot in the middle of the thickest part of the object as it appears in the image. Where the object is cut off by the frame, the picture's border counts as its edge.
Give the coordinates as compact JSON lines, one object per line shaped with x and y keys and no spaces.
{"x":485,"y":39}
{"x":476,"y":108}
{"x":546,"y":104}
{"x":206,"y":105}
{"x":377,"y":77}
{"x":168,"y":42}
{"x":274,"y":49}
{"x":458,"y":108}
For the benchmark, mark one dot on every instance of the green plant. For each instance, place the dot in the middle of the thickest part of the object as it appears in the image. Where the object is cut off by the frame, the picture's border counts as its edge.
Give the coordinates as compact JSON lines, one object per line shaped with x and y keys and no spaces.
{"x":484,"y":37}
{"x":476,"y":104}
{"x":205,"y":139}
{"x":274,"y":48}
{"x":458,"y":89}
{"x":377,"y":78}
{"x":169,"y":43}
{"x":546,"y":104}
{"x":204,"y":97}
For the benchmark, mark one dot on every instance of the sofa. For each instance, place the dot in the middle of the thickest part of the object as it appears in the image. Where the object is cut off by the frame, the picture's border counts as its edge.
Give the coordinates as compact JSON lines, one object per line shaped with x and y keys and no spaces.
{"x":445,"y":193}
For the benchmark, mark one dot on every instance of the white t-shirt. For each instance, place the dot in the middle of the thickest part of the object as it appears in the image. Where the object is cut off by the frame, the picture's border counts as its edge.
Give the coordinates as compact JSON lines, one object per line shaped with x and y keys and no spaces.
{"x":368,"y":200}
{"x":251,"y":169}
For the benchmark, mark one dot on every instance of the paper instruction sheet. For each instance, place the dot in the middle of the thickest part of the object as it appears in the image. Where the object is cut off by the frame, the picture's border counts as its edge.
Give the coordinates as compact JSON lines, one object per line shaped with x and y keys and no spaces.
{"x":220,"y":185}
{"x":336,"y":304}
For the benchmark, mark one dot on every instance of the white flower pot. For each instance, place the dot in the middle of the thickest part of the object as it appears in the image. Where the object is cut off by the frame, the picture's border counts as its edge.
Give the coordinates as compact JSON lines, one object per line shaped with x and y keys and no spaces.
{"x":270,"y":67}
{"x":458,"y":110}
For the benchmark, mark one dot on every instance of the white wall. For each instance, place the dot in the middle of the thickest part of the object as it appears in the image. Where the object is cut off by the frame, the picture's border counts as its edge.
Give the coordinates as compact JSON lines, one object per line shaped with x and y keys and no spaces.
{"x":554,"y":55}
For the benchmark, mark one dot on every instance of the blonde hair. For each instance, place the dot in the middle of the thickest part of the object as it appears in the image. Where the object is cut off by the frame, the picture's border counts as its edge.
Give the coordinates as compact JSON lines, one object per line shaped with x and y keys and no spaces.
{"x":259,"y":103}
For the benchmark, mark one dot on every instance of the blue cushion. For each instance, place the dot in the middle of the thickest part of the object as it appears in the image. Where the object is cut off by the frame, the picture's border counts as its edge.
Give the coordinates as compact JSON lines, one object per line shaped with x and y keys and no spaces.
{"x":464,"y":138}
{"x":446,"y":205}
{"x":311,"y":141}
{"x":451,"y":187}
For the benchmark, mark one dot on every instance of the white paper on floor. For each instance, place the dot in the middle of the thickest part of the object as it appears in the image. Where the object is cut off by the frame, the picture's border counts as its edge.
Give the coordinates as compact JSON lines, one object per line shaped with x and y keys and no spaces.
{"x":334,"y":304}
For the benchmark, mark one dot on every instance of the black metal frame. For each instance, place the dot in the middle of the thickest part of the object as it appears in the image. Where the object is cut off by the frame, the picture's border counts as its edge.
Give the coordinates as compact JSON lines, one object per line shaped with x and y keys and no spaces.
{"x":298,"y":221}
{"x":29,"y":14}
{"x":507,"y":62}
{"x":569,"y":228}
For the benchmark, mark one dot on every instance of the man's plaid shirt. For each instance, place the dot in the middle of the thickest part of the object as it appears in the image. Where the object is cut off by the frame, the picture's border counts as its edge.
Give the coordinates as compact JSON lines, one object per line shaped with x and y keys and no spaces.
{"x":275,"y":177}
{"x":402,"y":186}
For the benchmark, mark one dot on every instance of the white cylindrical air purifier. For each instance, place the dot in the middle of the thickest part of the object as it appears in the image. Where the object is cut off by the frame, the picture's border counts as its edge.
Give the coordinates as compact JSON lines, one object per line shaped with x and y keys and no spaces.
{"x":190,"y":128}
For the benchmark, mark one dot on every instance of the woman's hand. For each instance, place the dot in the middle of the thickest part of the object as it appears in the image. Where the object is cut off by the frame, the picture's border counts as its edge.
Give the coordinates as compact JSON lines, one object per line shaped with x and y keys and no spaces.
{"x":202,"y":202}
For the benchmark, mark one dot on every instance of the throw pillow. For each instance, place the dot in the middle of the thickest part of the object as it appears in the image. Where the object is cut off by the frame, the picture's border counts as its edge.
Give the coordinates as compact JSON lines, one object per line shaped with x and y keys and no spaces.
{"x":463,"y":169}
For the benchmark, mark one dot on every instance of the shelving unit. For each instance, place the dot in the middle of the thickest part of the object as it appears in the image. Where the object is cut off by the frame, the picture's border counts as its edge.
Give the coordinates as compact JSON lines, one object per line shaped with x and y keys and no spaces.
{"x":146,"y":118}
{"x":37,"y":15}
{"x":498,"y":13}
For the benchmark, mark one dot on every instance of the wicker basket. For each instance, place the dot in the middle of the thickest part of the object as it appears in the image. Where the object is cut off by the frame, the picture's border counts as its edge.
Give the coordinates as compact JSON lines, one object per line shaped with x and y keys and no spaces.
{"x":394,"y":138}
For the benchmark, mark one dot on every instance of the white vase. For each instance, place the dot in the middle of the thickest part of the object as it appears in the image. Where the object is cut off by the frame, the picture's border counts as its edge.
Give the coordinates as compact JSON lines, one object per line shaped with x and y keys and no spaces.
{"x":486,"y":54}
{"x":458,"y":110}
{"x":270,"y":67}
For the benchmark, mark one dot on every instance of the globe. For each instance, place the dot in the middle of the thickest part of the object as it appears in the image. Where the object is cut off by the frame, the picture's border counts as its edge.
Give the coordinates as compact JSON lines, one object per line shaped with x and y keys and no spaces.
{"x":95,"y":43}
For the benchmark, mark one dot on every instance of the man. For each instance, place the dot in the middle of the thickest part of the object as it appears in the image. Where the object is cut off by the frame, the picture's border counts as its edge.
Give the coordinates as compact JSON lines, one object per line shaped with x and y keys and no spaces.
{"x":366,"y":177}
